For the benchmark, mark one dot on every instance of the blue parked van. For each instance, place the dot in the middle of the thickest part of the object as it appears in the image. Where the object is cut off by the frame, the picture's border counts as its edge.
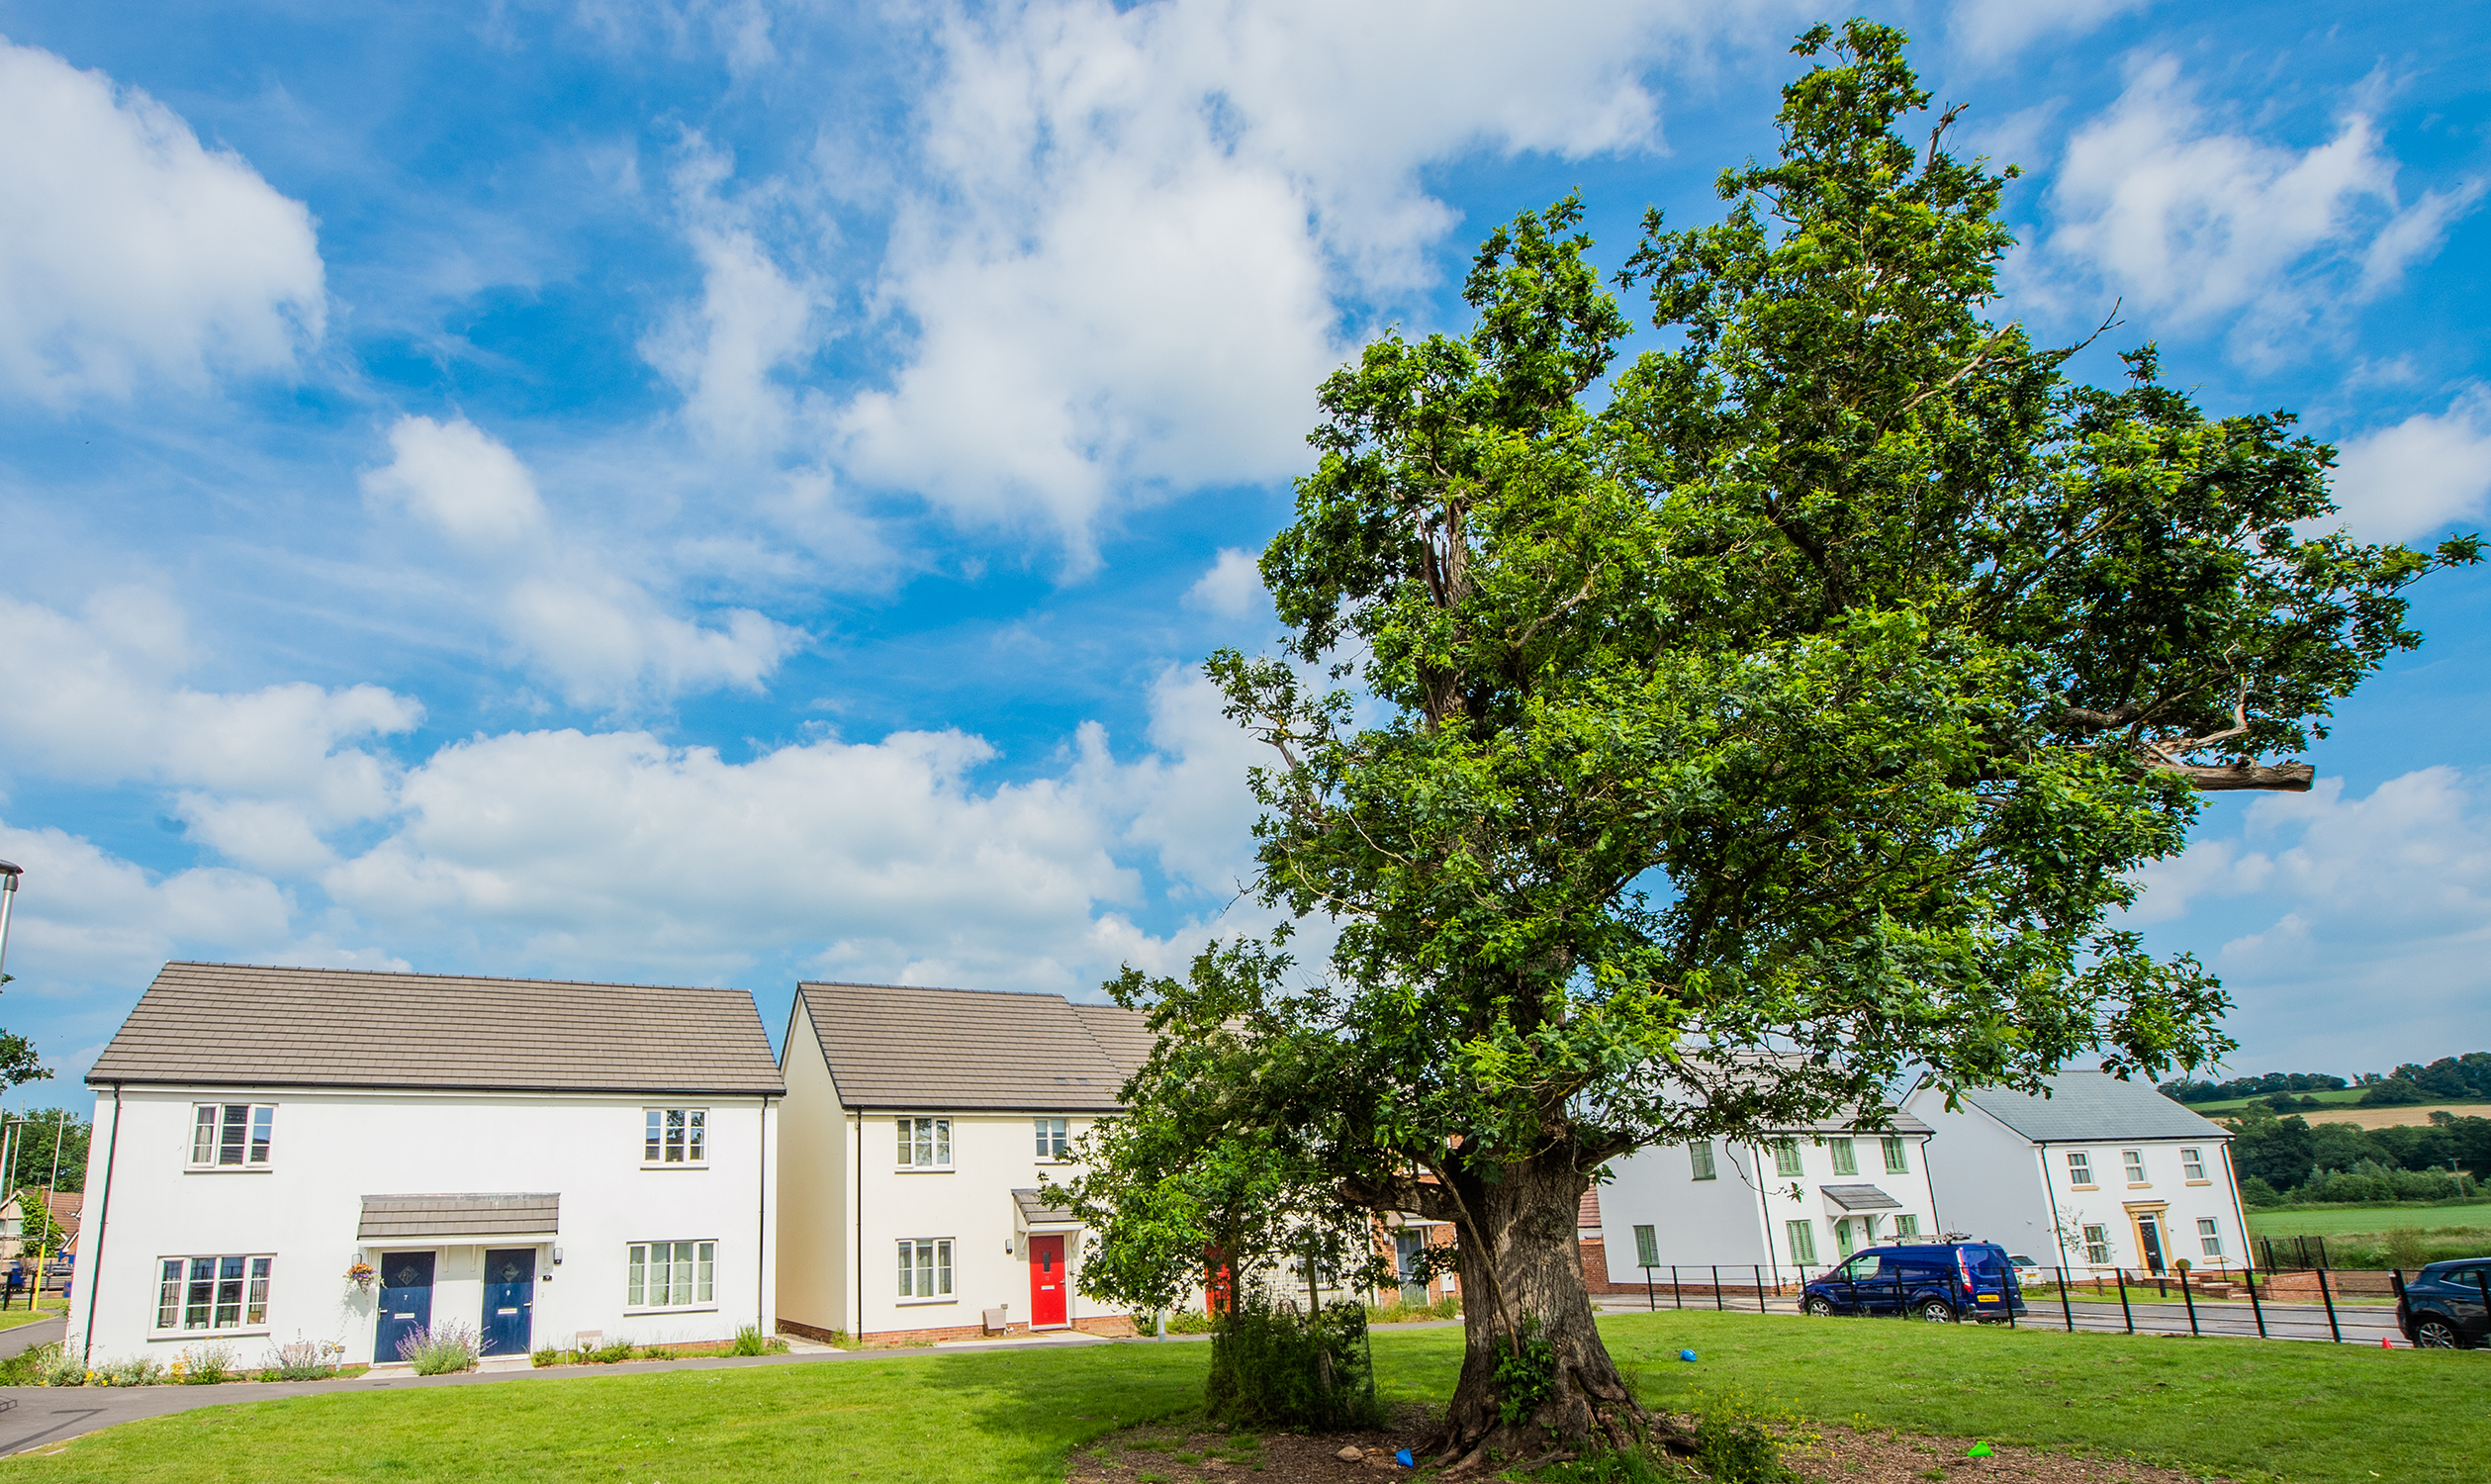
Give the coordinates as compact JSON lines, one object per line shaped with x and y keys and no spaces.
{"x":1939,"y":1281}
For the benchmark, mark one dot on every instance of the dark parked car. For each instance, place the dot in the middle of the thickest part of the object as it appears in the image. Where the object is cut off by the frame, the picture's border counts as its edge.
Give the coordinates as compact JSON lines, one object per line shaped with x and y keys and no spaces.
{"x":1941,"y":1282}
{"x":2442,"y":1307}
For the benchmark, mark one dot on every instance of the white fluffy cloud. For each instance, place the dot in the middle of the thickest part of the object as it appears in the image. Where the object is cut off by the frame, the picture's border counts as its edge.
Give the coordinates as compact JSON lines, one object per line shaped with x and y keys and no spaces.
{"x":1998,"y":28}
{"x":2405,"y":482}
{"x":1232,"y":589}
{"x":129,"y":250}
{"x":97,"y":699}
{"x":2193,"y":225}
{"x":602,"y":636}
{"x":2325,"y":902}
{"x":1122,"y":275}
{"x":753,"y":321}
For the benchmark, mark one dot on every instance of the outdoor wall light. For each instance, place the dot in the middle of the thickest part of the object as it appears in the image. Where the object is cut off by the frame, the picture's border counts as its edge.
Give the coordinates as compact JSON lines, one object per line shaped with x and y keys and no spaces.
{"x":1007,"y":1247}
{"x":557,"y":1257}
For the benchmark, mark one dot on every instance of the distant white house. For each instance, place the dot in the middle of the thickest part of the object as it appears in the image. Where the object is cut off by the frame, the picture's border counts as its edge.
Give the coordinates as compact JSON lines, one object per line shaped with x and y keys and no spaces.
{"x":1791,"y":1206}
{"x":528,"y":1160}
{"x":919,"y":1122}
{"x":2100,"y":1173}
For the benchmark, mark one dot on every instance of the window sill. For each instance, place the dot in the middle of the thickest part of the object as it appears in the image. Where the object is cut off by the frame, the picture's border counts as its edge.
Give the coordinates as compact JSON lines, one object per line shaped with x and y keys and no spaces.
{"x":2197,"y":1182}
{"x":921,"y":1169}
{"x":674,"y":1309}
{"x":912,"y":1303}
{"x":2140,"y":1184}
{"x":674,"y":1165}
{"x":2084,"y":1187}
{"x":195,"y":1337}
{"x":228,"y":1168}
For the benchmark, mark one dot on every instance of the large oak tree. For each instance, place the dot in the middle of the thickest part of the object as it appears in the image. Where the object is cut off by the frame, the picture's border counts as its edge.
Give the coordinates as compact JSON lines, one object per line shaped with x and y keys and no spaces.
{"x":1696,"y":756}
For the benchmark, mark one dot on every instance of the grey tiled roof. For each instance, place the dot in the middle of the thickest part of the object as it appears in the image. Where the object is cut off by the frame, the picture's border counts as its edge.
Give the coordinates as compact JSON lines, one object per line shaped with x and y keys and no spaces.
{"x":2090,"y":1105}
{"x":901,"y":1046}
{"x":1035,"y":1212}
{"x":233,"y":1025}
{"x":1125,"y":1035}
{"x":395,"y":1218}
{"x":1861,"y":1198}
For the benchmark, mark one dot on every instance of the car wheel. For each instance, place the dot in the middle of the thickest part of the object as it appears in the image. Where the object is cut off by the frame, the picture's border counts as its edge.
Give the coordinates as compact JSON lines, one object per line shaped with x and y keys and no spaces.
{"x":1938,"y":1312}
{"x":2435,"y":1333}
{"x":1819,"y":1305}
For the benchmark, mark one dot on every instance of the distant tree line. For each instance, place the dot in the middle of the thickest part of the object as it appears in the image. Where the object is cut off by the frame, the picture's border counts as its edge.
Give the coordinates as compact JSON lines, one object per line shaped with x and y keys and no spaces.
{"x":2448,"y":1079}
{"x":2288,"y":1159}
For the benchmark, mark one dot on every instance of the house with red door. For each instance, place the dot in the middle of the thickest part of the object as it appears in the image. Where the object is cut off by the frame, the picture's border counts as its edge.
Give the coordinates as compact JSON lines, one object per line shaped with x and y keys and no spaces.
{"x":917,"y":1126}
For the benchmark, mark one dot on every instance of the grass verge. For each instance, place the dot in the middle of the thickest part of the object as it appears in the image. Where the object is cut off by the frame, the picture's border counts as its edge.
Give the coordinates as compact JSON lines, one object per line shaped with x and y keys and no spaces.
{"x":2257,"y":1410}
{"x":10,"y":1319}
{"x":2336,"y":1221}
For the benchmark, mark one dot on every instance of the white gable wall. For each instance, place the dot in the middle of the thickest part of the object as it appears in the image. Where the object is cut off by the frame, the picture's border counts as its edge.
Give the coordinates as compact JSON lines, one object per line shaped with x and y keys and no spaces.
{"x":1986,"y":1175}
{"x":330,"y":1149}
{"x":816,"y":1267}
{"x":1740,"y":1218}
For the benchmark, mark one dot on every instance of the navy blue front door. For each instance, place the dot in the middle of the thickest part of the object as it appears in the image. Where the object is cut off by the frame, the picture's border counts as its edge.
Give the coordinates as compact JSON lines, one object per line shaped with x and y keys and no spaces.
{"x":406,"y":1302}
{"x":509,"y":1297}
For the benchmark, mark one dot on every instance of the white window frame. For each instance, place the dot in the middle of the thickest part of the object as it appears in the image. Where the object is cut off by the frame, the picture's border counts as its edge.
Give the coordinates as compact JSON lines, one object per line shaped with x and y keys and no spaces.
{"x":2132,"y":1163}
{"x":2097,"y":1245}
{"x":178,"y":1278}
{"x":1053,"y":1139}
{"x":924,"y":1261}
{"x":210,"y":1123}
{"x":692,"y":1260}
{"x":1699,"y":1160}
{"x":2209,"y":1237}
{"x":2192,"y":1167}
{"x":930,"y":1137}
{"x":2081,"y":1169}
{"x":1846,"y":1156}
{"x":679,"y":1138}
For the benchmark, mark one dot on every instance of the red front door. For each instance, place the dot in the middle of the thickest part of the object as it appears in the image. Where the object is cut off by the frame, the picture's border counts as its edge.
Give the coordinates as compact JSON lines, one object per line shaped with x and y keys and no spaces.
{"x":1045,"y":1280}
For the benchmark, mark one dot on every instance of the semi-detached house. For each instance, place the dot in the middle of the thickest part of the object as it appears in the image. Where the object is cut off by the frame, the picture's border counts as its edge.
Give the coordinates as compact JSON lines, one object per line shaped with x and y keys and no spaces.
{"x":919,"y":1125}
{"x":285,"y":1154}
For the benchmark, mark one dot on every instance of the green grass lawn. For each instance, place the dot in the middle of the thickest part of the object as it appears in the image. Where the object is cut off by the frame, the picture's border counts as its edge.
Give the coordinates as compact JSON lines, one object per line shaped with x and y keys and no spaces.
{"x":2309,"y":1414}
{"x":10,"y":1319}
{"x":2337,"y":1221}
{"x":2339,"y":1097}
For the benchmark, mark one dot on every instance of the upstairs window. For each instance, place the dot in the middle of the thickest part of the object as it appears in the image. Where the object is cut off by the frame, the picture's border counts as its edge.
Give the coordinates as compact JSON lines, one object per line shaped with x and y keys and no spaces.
{"x":1700,"y":1155}
{"x":2079,"y":1167}
{"x":230,"y":1136}
{"x":1846,"y":1159}
{"x":2192,"y":1163}
{"x":1785,"y":1158}
{"x":1895,"y":1163}
{"x":2134,"y":1160}
{"x":925,"y":1142}
{"x":676,"y":1135}
{"x":1054,"y":1139}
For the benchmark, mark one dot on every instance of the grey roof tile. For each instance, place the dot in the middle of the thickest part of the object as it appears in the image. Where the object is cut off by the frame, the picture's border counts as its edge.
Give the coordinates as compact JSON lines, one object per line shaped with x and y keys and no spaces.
{"x":2092,"y":1105}
{"x":893,"y":1046}
{"x":392,"y":1218}
{"x":1035,"y":1212}
{"x":1861,"y":1198}
{"x":251,"y":1026}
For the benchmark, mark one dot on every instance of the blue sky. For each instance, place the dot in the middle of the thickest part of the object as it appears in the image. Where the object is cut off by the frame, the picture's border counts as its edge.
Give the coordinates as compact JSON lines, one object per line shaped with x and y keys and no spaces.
{"x":731,"y":492}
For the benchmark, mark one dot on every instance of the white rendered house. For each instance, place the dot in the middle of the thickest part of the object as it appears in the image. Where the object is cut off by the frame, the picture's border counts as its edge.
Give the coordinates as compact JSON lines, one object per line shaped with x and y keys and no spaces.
{"x":2101,"y":1174}
{"x":529,"y":1160}
{"x":1791,"y":1206}
{"x":919,"y":1125}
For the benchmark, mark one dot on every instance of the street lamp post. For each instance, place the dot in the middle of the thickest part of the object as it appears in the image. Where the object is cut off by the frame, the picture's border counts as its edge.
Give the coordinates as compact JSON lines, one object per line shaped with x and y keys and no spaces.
{"x":9,"y":873}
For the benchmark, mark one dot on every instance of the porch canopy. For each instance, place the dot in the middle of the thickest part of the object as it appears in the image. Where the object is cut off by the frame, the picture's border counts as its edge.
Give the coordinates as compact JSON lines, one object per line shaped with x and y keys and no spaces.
{"x":1858,"y":1198}
{"x":460,"y":1219}
{"x":1037,"y":1216}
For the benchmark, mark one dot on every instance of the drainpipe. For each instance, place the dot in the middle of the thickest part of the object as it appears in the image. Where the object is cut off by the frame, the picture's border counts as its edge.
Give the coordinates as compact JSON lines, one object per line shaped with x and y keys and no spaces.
{"x":857,"y":1314}
{"x":2058,"y":1233}
{"x":760,"y":1235}
{"x":103,"y":1215}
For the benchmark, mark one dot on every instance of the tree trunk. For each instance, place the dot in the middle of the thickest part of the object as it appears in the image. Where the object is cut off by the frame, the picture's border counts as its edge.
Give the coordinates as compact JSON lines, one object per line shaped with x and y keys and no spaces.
{"x":1521,"y":1269}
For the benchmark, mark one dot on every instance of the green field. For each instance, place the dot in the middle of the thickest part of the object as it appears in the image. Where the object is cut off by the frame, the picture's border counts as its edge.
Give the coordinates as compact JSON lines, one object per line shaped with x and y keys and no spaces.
{"x":2336,"y":1221}
{"x":2339,"y":1097}
{"x":2253,"y":1411}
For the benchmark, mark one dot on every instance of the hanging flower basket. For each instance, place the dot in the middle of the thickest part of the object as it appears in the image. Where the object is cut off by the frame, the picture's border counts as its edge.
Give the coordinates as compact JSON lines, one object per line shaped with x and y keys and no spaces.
{"x":360,"y":1275}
